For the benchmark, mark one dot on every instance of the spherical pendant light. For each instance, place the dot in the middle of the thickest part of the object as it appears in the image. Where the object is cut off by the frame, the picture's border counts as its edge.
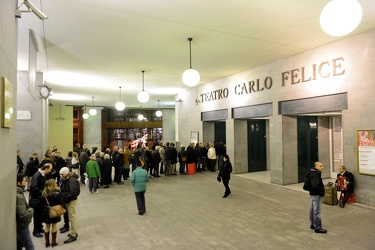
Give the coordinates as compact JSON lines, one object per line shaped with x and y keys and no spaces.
{"x":340,"y":17}
{"x":120,"y":106}
{"x":85,"y":115}
{"x":190,"y":77}
{"x":143,"y":96}
{"x":158,"y":113}
{"x":92,"y":111}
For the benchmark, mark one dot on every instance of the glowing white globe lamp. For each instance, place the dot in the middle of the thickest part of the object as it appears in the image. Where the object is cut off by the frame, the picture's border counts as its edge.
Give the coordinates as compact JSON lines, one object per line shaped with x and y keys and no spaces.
{"x":190,"y":77}
{"x":340,"y":17}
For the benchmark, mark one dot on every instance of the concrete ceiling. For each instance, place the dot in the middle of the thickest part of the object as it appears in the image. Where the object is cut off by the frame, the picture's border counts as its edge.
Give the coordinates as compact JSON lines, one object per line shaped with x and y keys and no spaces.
{"x":89,"y":48}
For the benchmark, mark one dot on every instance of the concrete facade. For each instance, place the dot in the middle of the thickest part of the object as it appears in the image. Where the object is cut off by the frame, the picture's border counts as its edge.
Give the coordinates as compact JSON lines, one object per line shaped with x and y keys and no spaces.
{"x":345,"y":66}
{"x":8,"y":170}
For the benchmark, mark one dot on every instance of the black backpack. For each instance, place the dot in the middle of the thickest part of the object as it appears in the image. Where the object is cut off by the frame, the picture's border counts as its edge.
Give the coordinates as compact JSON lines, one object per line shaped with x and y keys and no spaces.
{"x":307,"y":184}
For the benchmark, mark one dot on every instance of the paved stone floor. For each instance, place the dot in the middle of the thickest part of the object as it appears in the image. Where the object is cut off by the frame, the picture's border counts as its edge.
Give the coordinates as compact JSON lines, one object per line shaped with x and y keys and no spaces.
{"x":188,"y":212}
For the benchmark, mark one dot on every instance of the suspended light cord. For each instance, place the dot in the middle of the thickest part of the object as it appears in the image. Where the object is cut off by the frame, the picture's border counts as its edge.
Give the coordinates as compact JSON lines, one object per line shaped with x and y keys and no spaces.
{"x":143,"y":80}
{"x":190,"y":39}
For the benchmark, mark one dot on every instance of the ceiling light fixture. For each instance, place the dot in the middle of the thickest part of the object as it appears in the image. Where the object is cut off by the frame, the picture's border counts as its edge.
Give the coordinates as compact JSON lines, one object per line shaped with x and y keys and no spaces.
{"x":120,"y":106}
{"x":158,"y":112}
{"x":85,"y":115}
{"x":191,"y":77}
{"x":143,"y":96}
{"x":340,"y":17}
{"x":92,"y":111}
{"x":140,"y":116}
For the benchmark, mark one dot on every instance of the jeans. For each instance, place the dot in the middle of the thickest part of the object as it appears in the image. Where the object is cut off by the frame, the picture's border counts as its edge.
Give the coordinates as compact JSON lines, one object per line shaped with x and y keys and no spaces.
{"x":141,"y":201}
{"x":93,"y":183}
{"x":24,"y":239}
{"x":316,"y":203}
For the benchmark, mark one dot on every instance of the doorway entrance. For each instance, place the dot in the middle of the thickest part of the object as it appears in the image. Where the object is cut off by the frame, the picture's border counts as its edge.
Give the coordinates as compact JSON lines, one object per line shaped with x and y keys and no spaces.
{"x":256,"y":144}
{"x":307,"y":138}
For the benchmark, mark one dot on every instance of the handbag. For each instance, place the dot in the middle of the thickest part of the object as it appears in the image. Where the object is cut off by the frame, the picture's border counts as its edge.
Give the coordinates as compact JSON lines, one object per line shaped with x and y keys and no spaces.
{"x":55,"y":211}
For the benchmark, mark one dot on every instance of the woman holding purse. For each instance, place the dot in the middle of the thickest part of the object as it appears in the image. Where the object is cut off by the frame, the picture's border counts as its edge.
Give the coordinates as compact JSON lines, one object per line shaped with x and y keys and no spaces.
{"x":52,"y":195}
{"x":224,"y":174}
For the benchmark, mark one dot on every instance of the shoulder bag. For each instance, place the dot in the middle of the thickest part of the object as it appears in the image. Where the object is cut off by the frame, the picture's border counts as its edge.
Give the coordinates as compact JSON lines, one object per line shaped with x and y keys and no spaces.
{"x":55,"y":211}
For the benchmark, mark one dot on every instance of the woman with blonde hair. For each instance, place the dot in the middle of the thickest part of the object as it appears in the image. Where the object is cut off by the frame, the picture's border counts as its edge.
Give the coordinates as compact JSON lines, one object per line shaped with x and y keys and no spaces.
{"x":51,"y":192}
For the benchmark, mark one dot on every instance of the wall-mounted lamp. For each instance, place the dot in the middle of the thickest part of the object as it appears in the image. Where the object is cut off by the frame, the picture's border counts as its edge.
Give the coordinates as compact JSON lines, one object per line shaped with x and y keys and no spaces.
{"x":340,"y":17}
{"x":31,"y":8}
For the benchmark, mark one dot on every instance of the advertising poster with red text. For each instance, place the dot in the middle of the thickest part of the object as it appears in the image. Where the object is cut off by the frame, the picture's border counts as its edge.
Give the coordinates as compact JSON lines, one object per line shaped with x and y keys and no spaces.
{"x":366,"y":151}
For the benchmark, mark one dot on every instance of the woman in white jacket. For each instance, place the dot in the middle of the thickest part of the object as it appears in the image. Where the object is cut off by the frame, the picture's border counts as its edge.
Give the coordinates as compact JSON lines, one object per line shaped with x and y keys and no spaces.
{"x":211,"y":155}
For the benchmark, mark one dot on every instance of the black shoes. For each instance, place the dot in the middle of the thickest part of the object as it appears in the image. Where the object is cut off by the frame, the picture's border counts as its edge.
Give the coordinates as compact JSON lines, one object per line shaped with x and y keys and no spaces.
{"x":341,"y":205}
{"x":69,"y":235}
{"x":70,"y":239}
{"x":320,"y":231}
{"x":312,"y":227}
{"x":39,"y":235}
{"x":64,"y":230}
{"x":106,"y":186}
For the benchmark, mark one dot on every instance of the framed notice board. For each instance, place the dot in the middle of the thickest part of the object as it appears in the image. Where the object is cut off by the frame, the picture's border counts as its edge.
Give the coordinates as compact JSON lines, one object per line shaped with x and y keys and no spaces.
{"x":366,"y":151}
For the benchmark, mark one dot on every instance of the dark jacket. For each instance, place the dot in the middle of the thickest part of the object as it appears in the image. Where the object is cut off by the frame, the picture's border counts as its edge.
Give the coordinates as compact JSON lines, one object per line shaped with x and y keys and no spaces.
{"x":119,"y":160}
{"x":31,"y":167}
{"x":54,"y":199}
{"x":37,"y":186}
{"x":83,"y":159}
{"x":70,"y":188}
{"x":317,"y":187}
{"x":24,"y":213}
{"x":173,"y":154}
{"x":225,"y":170}
{"x":190,"y":155}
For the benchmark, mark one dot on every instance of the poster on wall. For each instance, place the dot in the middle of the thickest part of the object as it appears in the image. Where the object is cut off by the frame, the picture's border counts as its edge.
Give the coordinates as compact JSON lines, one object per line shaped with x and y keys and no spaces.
{"x":366,"y":151}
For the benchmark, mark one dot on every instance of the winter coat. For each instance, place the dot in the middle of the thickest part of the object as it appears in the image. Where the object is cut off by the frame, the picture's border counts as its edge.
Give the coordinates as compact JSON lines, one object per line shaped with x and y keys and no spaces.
{"x":83,"y":158}
{"x":54,"y":199}
{"x":70,"y":188}
{"x":24,"y":213}
{"x":139,"y":179}
{"x":92,"y":169}
{"x":31,"y":167}
{"x":225,"y":170}
{"x":317,"y":186}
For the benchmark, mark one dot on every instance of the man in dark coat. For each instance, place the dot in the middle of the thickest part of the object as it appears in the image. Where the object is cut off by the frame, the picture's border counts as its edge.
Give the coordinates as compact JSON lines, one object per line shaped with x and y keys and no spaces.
{"x":20,"y":165}
{"x":348,"y":180}
{"x":83,"y":159}
{"x":118,"y":163}
{"x":316,"y":194}
{"x":36,"y":189}
{"x":70,"y":190}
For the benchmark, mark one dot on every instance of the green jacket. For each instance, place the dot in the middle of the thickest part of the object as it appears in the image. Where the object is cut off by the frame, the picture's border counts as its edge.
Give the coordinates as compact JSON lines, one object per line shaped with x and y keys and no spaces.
{"x":139,"y":178}
{"x":92,"y":169}
{"x":24,"y":213}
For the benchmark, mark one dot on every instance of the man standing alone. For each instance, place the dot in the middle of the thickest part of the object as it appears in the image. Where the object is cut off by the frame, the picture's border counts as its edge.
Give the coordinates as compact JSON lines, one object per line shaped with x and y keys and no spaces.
{"x":316,"y":194}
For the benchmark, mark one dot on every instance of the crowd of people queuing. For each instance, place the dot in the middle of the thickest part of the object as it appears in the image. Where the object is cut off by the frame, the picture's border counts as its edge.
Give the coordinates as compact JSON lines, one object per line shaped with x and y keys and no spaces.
{"x":56,"y":180}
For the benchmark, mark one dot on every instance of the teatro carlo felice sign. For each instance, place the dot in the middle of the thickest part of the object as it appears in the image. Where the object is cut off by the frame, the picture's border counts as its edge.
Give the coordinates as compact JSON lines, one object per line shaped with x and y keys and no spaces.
{"x":300,"y":75}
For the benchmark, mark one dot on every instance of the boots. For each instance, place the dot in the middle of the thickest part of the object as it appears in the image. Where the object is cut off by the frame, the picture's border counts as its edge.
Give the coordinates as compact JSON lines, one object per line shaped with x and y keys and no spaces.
{"x":54,"y":243}
{"x":46,"y":236}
